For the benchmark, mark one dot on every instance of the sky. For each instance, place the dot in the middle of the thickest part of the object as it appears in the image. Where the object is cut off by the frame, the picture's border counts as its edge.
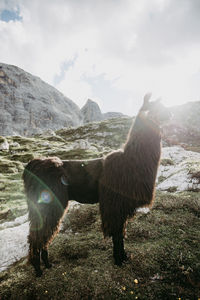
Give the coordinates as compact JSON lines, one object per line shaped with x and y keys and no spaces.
{"x":111,"y":51}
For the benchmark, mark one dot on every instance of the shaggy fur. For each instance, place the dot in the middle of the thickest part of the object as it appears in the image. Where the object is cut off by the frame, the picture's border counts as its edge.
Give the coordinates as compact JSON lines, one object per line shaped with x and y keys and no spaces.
{"x":121,"y":182}
{"x":49,"y":184}
{"x":128,"y":178}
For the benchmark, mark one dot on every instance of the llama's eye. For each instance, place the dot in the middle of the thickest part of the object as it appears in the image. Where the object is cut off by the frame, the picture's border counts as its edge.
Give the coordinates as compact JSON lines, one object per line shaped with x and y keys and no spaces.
{"x":64,"y":180}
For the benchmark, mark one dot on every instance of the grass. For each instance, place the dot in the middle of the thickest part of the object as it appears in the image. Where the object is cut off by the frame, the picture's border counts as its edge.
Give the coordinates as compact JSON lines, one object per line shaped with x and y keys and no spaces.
{"x":164,"y":264}
{"x":167,"y":162}
{"x":164,"y":244}
{"x":100,"y":132}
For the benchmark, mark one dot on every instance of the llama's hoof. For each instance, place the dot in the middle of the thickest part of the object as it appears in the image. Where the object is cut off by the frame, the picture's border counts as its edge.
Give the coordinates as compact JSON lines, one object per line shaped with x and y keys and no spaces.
{"x":48,"y":266}
{"x":39,"y":273}
{"x":118,"y":262}
{"x":127,"y":257}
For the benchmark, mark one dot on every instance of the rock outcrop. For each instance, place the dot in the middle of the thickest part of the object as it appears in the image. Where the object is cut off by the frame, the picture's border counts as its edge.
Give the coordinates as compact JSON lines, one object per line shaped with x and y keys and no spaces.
{"x":29,"y":105}
{"x":91,"y":112}
{"x":183,"y":129}
{"x":112,"y":114}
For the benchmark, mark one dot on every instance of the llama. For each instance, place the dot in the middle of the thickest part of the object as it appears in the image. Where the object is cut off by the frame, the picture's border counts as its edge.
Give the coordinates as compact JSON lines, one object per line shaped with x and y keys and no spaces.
{"x":49,"y":185}
{"x":128,"y":178}
{"x":121,"y":182}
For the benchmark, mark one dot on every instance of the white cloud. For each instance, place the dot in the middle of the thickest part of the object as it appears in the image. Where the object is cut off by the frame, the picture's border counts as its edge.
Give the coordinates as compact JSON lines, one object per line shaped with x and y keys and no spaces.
{"x":129,"y":46}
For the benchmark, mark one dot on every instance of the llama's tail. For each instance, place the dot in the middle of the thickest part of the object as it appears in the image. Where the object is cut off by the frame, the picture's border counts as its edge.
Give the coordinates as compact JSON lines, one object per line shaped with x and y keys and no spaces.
{"x":47,"y":198}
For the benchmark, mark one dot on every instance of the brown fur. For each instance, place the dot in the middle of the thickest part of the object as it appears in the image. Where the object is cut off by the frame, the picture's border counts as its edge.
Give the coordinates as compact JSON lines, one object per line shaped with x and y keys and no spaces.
{"x":128,"y":177}
{"x":45,"y":174}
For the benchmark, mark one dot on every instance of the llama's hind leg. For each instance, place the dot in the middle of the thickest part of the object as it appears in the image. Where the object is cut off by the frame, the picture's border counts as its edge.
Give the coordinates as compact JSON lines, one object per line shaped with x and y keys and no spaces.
{"x":119,"y":253}
{"x":45,"y":257}
{"x":34,"y":258}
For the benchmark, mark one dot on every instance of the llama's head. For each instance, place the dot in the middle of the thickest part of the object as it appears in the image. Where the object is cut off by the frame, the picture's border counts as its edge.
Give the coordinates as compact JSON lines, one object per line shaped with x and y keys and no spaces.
{"x":155,"y":110}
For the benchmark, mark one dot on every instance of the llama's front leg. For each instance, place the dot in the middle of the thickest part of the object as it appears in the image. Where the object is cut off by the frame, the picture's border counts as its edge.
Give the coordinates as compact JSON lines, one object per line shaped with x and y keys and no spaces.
{"x":45,"y":258}
{"x":34,"y":257}
{"x":119,"y":253}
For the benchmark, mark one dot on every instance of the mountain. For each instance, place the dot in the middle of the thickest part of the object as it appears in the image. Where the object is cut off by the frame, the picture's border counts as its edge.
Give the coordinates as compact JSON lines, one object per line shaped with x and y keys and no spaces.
{"x":29,"y":105}
{"x":112,"y":114}
{"x":91,"y":112}
{"x":184,"y":127}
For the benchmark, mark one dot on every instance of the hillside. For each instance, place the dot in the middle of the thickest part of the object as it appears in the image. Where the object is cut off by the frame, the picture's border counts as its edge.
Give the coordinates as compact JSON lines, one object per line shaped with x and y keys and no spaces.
{"x":29,"y":105}
{"x":164,"y":242}
{"x":184,"y":128}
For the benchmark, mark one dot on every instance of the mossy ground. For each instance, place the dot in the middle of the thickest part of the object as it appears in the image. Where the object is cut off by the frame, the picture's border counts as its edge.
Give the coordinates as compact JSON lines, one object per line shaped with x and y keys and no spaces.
{"x":164,"y":244}
{"x":164,"y":264}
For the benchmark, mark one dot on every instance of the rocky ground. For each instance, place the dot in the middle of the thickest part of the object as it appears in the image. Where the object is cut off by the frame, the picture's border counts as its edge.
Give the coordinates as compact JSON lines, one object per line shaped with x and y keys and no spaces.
{"x":164,"y":241}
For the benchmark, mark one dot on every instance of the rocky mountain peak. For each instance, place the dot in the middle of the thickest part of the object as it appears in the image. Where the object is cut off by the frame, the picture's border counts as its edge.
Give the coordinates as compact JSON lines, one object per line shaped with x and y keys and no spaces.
{"x":91,"y":112}
{"x":29,"y":105}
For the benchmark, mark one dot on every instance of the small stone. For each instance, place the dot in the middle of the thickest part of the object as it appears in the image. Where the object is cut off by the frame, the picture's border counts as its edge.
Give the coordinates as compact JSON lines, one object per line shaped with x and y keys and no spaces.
{"x":4,"y":146}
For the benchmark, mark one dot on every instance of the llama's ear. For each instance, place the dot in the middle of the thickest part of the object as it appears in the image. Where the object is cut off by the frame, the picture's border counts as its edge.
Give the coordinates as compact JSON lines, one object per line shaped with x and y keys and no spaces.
{"x":147,"y":97}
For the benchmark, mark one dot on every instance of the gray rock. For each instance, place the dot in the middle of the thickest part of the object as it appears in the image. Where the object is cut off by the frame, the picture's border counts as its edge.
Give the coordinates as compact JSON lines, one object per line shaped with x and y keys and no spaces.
{"x":184,"y":126}
{"x":81,"y":144}
{"x":111,"y":115}
{"x":91,"y":112}
{"x":4,"y":145}
{"x":182,"y":174}
{"x":29,"y":105}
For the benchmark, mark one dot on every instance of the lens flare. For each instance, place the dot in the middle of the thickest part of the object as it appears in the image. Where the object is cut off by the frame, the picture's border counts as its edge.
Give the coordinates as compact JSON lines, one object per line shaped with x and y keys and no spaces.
{"x":45,"y":197}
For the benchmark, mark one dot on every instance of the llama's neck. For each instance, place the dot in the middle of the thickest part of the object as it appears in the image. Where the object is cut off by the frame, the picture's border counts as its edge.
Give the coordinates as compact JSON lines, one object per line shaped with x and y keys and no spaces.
{"x":144,"y":135}
{"x":142,"y":155}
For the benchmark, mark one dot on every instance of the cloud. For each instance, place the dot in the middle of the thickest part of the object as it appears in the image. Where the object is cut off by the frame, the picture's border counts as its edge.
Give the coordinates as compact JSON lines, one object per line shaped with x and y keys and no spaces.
{"x":112,"y":51}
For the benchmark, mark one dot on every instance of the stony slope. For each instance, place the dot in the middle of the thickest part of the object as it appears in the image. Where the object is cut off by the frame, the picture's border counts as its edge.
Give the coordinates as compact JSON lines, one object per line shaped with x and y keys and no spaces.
{"x":29,"y":105}
{"x":184,"y":127}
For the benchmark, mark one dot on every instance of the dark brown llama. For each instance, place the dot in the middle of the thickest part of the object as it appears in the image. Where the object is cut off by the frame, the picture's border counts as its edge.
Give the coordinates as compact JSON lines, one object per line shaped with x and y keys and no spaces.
{"x":49,"y":184}
{"x":128,"y":177}
{"x":121,"y":182}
